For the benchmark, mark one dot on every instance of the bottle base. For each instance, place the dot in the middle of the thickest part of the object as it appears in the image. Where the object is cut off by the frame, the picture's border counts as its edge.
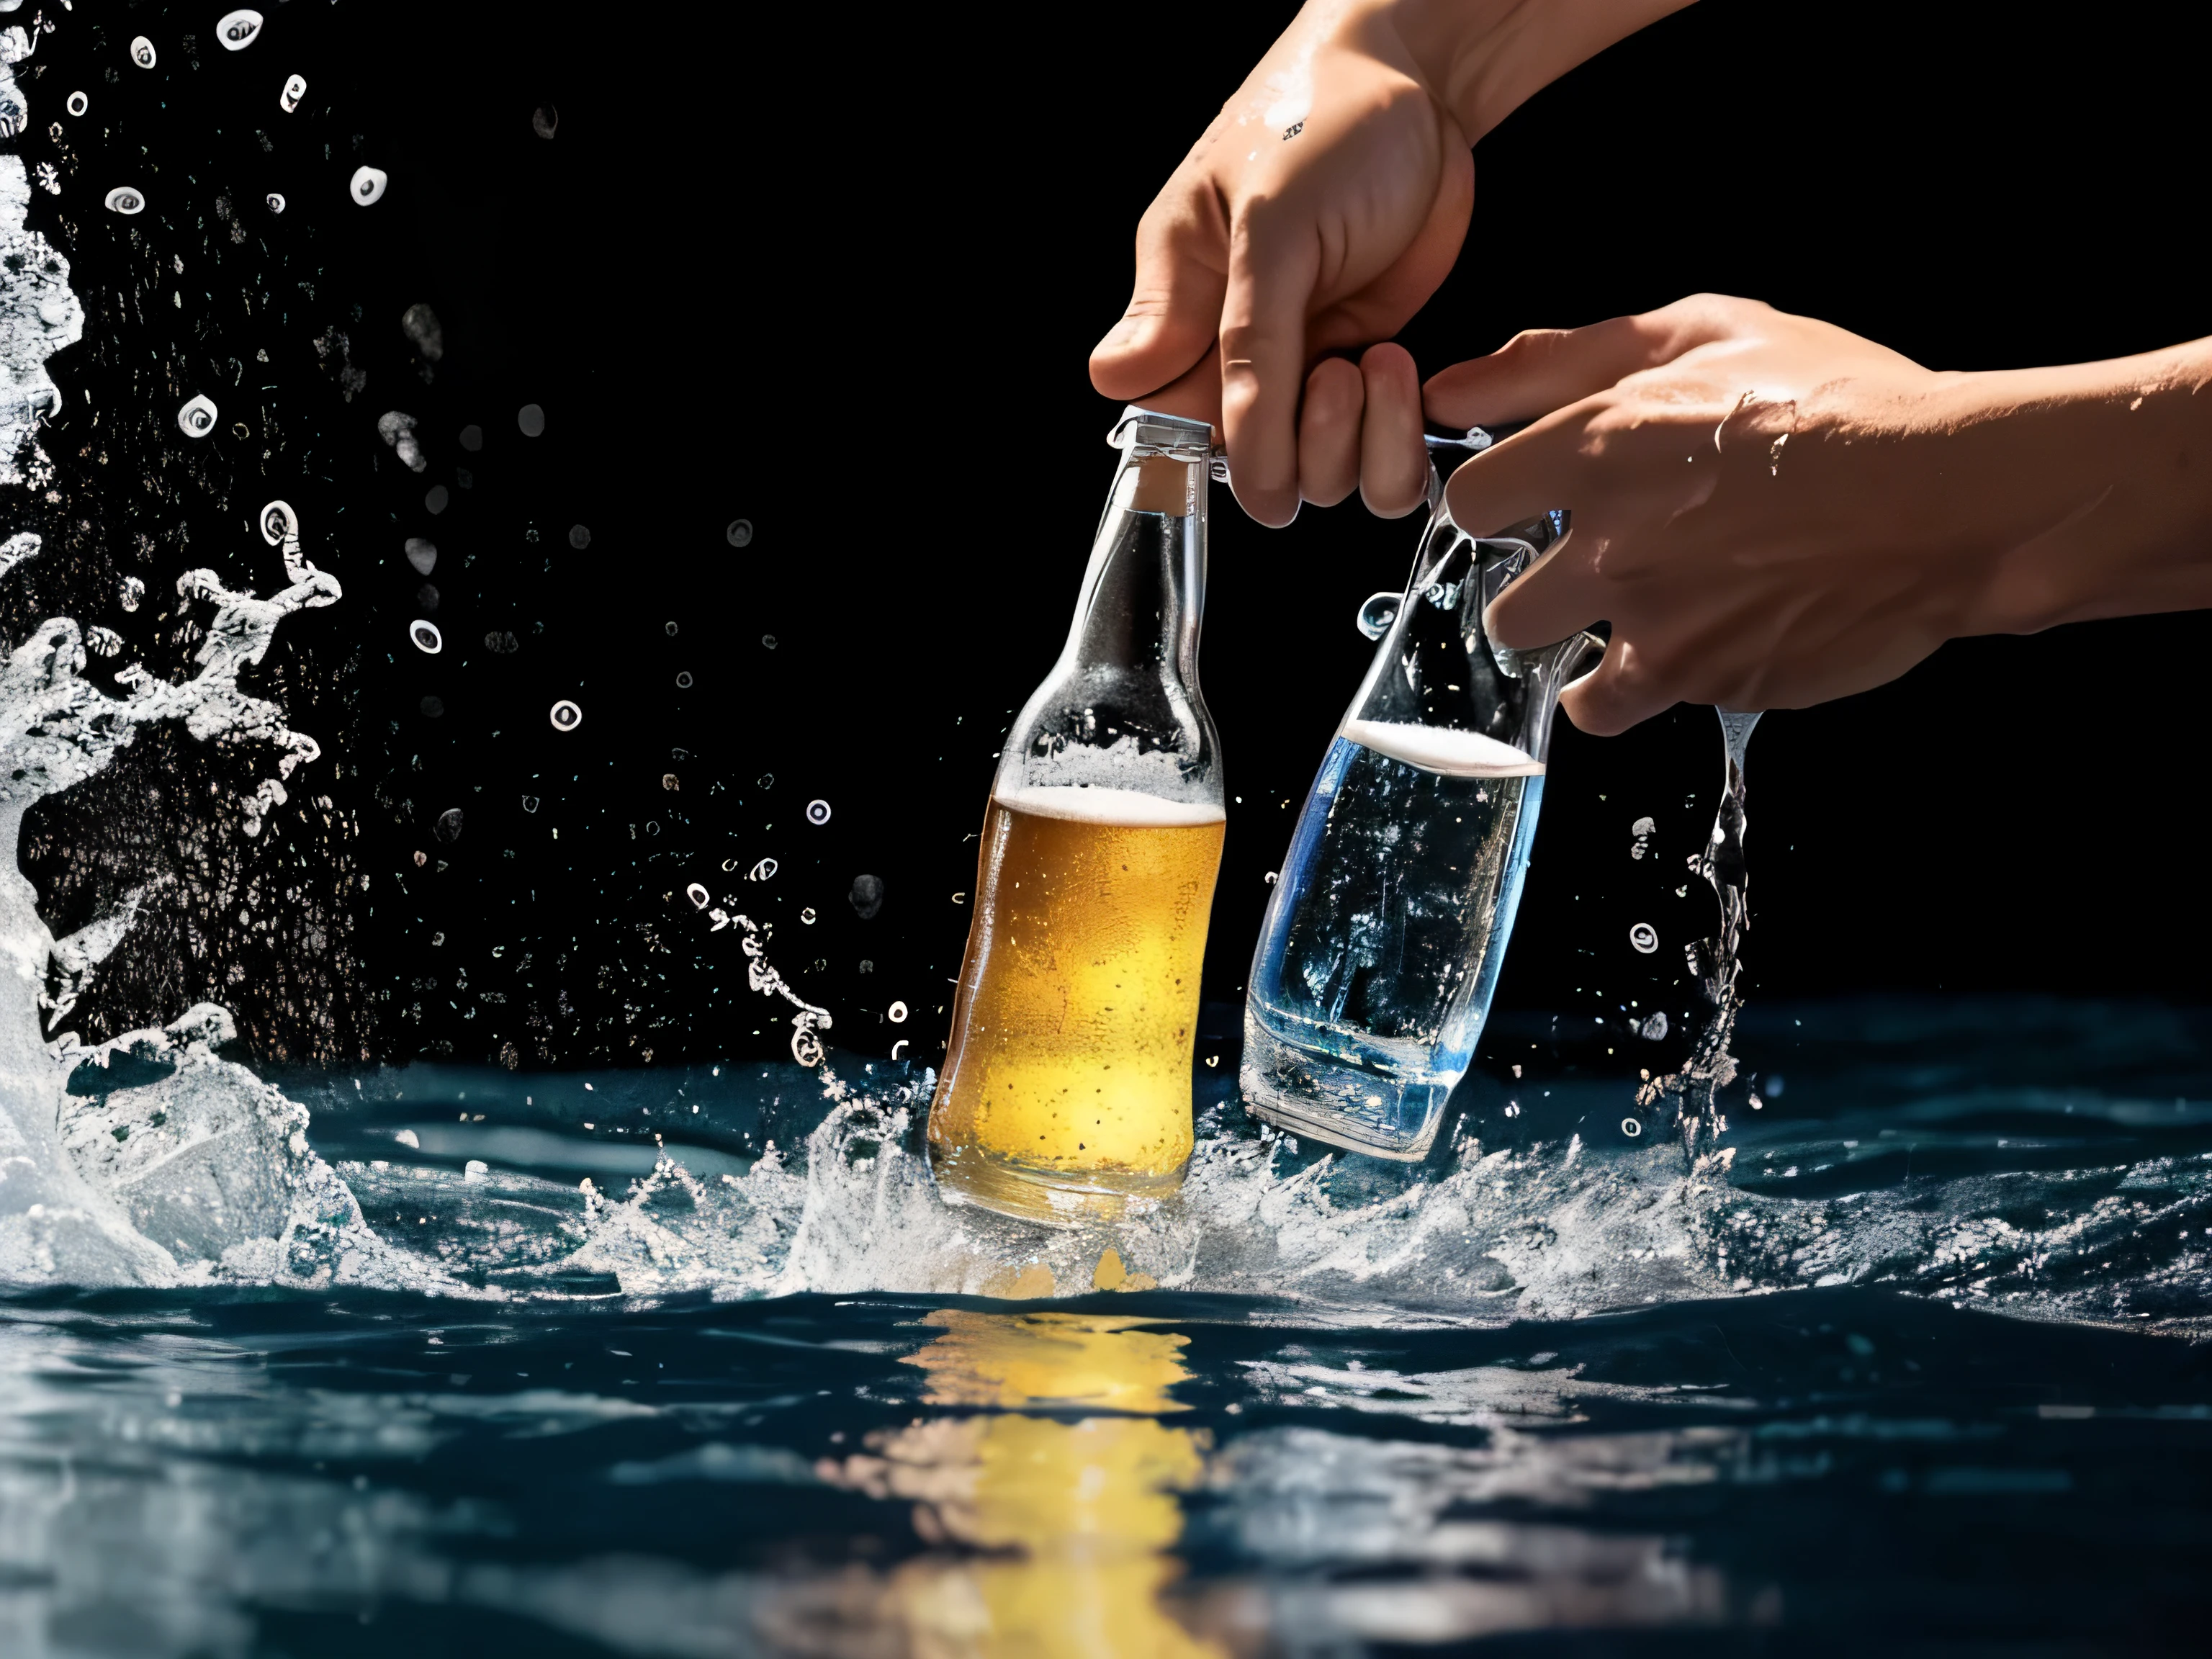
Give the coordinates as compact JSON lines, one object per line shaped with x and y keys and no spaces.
{"x":1319,"y":1096}
{"x":1054,"y":1197}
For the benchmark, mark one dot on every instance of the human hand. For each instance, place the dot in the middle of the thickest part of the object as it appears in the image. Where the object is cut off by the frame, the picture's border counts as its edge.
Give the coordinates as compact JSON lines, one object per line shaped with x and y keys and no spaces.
{"x":1322,"y":207}
{"x":1771,"y":512}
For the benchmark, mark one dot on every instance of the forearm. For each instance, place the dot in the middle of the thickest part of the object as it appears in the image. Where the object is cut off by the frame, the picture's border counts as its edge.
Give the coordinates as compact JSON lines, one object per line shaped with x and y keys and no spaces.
{"x":2092,"y":484}
{"x":1484,"y":58}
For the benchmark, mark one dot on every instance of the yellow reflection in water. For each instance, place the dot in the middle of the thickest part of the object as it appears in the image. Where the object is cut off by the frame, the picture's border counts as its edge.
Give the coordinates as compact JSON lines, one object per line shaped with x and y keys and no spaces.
{"x":1075,"y":1518}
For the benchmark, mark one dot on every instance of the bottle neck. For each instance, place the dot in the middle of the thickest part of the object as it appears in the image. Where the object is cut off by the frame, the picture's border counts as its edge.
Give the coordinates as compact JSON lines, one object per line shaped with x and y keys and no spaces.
{"x":1144,"y":593}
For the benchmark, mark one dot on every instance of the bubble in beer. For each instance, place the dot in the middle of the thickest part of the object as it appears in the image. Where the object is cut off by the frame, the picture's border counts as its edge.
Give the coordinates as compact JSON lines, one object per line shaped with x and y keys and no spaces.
{"x":426,"y":636}
{"x":697,"y":894}
{"x":448,"y":827}
{"x":740,"y":533}
{"x":532,"y":419}
{"x":896,"y":1013}
{"x":1645,"y":937}
{"x":866,"y":896}
{"x":818,"y":812}
{"x":1631,"y":1127}
{"x":566,"y":716}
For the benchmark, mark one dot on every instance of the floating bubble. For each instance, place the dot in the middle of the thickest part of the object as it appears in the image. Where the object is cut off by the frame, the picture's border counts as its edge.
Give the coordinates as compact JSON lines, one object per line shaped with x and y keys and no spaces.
{"x":807,"y":916}
{"x":683,"y":681}
{"x":544,"y":120}
{"x":740,"y":533}
{"x":420,"y":324}
{"x":578,"y":536}
{"x":296,"y":88}
{"x":435,"y":707}
{"x":896,"y":1013}
{"x":434,"y":502}
{"x":1631,"y":1127}
{"x":1377,"y":612}
{"x":763,"y":871}
{"x":866,"y":896}
{"x":532,"y":419}
{"x":449,"y":824}
{"x":422,"y":555}
{"x":397,"y":427}
{"x":1645,"y":937}
{"x":197,"y":419}
{"x":426,"y":597}
{"x":78,"y":103}
{"x":141,"y":53}
{"x":126,"y":199}
{"x":276,"y":202}
{"x":818,"y":812}
{"x":769,"y":640}
{"x":426,"y":636}
{"x":668,"y":629}
{"x":368,"y":187}
{"x":473,"y":438}
{"x":278,"y":521}
{"x":238,"y":30}
{"x":1654,"y":1028}
{"x":566,"y":716}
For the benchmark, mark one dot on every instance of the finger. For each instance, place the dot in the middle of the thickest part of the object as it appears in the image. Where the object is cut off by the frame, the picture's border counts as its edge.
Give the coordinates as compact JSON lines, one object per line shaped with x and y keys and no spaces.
{"x":1555,"y":597}
{"x":1271,"y":279}
{"x":1196,"y":395}
{"x":1394,"y":463}
{"x":1615,"y":695}
{"x":1328,"y":432}
{"x":1541,"y":369}
{"x":1174,"y":306}
{"x":1531,"y":473}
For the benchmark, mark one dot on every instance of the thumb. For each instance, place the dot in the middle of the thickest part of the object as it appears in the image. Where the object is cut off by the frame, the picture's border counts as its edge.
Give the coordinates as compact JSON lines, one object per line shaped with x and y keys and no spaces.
{"x":1174,"y":314}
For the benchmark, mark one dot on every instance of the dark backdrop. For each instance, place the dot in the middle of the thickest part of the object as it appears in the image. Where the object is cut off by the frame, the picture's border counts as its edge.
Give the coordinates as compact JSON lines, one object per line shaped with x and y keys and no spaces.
{"x":769,"y":257}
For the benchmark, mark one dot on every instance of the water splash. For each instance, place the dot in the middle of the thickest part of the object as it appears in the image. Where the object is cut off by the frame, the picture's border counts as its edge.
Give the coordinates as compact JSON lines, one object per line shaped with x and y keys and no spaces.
{"x":1694,"y":1090}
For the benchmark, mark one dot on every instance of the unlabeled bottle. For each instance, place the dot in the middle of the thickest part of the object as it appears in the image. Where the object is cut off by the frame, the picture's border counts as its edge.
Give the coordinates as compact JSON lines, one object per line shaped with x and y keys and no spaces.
{"x":1066,"y":1085}
{"x":1384,"y":933}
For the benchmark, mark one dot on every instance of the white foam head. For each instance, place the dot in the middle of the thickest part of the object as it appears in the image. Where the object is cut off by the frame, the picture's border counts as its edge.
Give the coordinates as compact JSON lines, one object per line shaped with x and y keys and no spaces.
{"x":1434,"y":749}
{"x":1123,"y":808}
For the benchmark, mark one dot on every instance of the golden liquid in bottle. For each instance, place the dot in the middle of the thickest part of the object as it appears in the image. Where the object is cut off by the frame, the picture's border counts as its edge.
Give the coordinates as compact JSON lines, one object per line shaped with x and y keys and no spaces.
{"x":1068,"y":1075}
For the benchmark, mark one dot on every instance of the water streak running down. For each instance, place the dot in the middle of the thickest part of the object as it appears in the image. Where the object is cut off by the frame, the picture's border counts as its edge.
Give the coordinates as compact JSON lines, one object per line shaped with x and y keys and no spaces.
{"x":1695,"y":1088}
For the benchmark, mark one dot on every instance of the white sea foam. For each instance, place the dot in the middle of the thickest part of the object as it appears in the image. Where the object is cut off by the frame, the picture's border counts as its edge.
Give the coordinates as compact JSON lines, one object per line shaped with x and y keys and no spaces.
{"x":1434,"y":749}
{"x":1128,"y":809}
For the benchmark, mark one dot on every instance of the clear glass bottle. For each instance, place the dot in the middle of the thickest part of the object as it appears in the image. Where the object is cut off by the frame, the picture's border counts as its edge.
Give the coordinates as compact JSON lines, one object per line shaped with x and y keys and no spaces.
{"x":1066,"y":1085}
{"x":1385,"y":929}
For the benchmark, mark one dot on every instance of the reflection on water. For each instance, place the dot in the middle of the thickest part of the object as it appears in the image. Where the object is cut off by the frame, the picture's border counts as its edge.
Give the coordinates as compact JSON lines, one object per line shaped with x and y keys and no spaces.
{"x":1069,"y":1522}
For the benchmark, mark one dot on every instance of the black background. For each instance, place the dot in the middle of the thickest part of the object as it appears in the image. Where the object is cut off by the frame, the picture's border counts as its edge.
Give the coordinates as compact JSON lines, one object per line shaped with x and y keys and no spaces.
{"x":775,"y":265}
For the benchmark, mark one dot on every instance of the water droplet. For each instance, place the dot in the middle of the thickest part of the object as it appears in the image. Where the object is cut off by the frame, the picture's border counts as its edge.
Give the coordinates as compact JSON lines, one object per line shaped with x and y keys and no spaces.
{"x":683,"y":681}
{"x":1654,"y":1028}
{"x":434,"y":502}
{"x":78,"y":103}
{"x":769,"y":640}
{"x":296,"y":88}
{"x":807,"y":915}
{"x":368,"y":187}
{"x":1272,"y":876}
{"x":433,"y":707}
{"x":766,"y":779}
{"x":425,"y":598}
{"x":1644,"y":937}
{"x":697,"y":894}
{"x":1631,"y":1127}
{"x":197,"y":419}
{"x":1377,"y":612}
{"x":740,"y":533}
{"x":818,"y":812}
{"x":764,"y":871}
{"x":473,"y":438}
{"x":566,"y":716}
{"x":896,"y":1013}
{"x":422,"y":555}
{"x":866,"y":896}
{"x":141,"y":53}
{"x":579,"y":537}
{"x":532,"y":419}
{"x":238,"y":30}
{"x":276,"y":202}
{"x":668,"y":629}
{"x":421,"y":858}
{"x":449,"y":824}
{"x":426,"y":636}
{"x":545,"y":120}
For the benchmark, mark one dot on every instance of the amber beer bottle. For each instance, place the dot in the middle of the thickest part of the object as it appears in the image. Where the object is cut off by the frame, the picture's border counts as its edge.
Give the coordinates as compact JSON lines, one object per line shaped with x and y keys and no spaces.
{"x":1067,"y":1084}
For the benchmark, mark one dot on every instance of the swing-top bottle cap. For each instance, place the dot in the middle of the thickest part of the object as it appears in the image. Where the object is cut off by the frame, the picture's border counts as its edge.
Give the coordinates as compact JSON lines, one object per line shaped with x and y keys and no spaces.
{"x":1147,"y":432}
